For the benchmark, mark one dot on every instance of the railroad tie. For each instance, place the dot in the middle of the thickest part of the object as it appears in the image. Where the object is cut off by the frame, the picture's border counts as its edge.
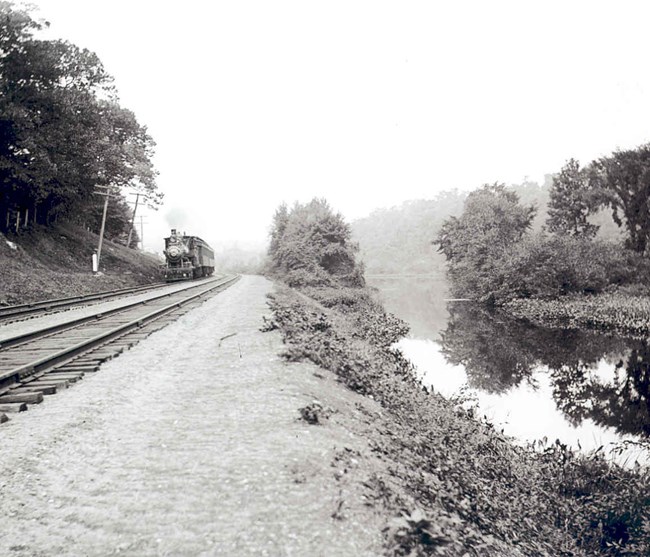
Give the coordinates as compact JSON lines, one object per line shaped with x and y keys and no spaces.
{"x":30,"y":398}
{"x":58,"y":383}
{"x":80,"y":368}
{"x":11,"y":407}
{"x":72,"y":377}
{"x":44,"y":389}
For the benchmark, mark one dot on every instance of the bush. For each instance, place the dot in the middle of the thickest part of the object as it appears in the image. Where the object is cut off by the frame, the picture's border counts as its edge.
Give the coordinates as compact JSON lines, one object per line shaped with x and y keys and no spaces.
{"x":552,"y":266}
{"x":311,"y":246}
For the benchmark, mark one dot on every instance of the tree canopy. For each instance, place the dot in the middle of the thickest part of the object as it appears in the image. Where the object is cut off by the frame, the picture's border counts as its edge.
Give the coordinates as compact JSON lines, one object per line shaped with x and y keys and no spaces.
{"x":623,"y":180}
{"x":62,"y":130}
{"x":492,"y":222}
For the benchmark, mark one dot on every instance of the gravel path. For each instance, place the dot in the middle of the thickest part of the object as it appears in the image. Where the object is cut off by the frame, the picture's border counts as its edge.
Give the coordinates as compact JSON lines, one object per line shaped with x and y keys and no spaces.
{"x":191,"y":445}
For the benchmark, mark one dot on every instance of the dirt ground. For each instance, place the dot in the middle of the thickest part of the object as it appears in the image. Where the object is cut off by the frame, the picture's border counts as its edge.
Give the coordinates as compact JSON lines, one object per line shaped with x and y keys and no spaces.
{"x":191,"y":444}
{"x":55,"y":262}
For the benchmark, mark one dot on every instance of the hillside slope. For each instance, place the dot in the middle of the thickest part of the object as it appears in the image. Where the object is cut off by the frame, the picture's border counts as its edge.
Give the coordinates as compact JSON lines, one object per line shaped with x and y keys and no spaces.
{"x":54,"y":262}
{"x":399,"y":239}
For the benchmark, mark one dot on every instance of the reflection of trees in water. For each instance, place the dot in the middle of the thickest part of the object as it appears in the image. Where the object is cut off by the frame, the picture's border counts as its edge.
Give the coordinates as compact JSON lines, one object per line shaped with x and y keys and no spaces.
{"x":622,"y":403}
{"x":495,"y":356}
{"x":499,"y":353}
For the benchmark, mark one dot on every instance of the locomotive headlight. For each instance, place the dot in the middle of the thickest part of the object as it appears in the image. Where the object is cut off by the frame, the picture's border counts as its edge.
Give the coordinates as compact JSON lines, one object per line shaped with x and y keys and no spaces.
{"x":174,"y":252}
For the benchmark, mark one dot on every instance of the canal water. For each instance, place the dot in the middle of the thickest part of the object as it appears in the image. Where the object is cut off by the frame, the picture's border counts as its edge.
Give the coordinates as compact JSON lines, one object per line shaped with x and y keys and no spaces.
{"x":584,"y":389}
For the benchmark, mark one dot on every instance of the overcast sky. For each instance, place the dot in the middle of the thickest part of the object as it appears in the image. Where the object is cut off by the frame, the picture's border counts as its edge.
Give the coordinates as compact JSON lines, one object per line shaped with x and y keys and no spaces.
{"x":367,"y":104}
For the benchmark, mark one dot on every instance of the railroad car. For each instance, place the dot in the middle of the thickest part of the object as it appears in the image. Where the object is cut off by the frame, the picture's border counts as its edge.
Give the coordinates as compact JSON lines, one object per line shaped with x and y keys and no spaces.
{"x":187,"y":257}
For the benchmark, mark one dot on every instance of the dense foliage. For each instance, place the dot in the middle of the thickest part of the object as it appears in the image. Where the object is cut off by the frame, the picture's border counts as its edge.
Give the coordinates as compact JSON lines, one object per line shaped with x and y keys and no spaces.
{"x":311,"y":246}
{"x":475,"y":243}
{"x":470,"y":489}
{"x":546,"y":266}
{"x":398,"y":240}
{"x":618,"y":312}
{"x":493,"y":256}
{"x":623,"y":180}
{"x":619,"y":183}
{"x":62,"y":131}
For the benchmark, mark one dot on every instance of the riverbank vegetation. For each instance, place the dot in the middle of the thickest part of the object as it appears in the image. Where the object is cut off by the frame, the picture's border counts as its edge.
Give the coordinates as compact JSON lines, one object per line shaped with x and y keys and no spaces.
{"x":618,"y":313}
{"x":457,"y":485}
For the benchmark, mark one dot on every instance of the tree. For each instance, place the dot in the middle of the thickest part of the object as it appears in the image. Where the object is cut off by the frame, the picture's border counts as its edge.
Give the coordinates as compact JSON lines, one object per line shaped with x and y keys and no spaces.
{"x":571,"y":202}
{"x":624,"y":180}
{"x":311,"y":245}
{"x":492,"y":222}
{"x":280,"y":220}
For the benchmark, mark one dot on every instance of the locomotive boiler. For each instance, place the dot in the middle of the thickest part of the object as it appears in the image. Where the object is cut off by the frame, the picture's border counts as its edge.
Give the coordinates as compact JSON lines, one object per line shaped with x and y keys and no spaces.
{"x":187,"y":257}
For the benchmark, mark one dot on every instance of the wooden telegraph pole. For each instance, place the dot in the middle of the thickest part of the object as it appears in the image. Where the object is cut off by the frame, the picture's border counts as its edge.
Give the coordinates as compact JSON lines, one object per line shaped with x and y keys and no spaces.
{"x":142,"y":223}
{"x":107,"y":192}
{"x":128,"y":241}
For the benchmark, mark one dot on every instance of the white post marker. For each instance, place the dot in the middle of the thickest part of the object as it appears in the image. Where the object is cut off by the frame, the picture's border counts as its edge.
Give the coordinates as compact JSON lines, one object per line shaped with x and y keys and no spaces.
{"x":95,"y":266}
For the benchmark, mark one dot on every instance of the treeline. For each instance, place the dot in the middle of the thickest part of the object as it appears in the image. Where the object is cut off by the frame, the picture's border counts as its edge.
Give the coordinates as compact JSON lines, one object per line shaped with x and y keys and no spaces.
{"x":63,"y":133}
{"x":493,"y":254}
{"x":398,"y":240}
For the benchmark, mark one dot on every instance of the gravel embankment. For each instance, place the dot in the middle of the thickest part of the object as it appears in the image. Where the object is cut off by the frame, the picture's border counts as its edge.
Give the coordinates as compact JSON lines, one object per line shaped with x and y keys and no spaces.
{"x":190,"y":444}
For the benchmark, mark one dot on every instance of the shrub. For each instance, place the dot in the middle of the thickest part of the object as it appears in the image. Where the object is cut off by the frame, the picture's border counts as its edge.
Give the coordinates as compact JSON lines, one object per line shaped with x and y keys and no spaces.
{"x":311,"y":246}
{"x":552,"y":266}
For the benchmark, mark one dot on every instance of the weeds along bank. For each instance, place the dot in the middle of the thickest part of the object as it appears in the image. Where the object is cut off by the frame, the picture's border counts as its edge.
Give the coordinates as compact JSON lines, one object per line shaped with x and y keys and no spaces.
{"x":463,"y":487}
{"x":54,"y":262}
{"x":618,"y":313}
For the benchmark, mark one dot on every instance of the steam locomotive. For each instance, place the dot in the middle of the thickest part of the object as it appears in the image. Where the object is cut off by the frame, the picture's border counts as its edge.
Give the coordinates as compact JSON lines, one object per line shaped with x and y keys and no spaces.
{"x":187,"y":257}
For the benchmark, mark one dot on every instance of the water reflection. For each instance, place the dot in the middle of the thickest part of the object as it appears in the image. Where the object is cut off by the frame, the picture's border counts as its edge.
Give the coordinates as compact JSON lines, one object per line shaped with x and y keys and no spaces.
{"x":585,"y":389}
{"x":419,"y":300}
{"x":622,"y":402}
{"x":597,"y":377}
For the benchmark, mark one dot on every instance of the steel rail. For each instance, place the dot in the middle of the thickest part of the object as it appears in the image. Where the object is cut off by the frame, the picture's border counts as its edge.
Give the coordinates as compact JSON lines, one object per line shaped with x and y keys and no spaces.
{"x":32,"y":307}
{"x":69,"y":353}
{"x":52,"y":329}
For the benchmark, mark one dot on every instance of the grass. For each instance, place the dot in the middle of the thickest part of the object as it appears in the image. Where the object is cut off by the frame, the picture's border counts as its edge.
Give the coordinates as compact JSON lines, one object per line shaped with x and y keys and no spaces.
{"x":56,"y":262}
{"x":464,"y":488}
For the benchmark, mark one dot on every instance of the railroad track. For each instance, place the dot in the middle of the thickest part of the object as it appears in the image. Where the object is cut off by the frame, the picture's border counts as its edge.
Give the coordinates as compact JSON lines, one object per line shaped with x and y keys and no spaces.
{"x":9,"y":314}
{"x":42,"y":362}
